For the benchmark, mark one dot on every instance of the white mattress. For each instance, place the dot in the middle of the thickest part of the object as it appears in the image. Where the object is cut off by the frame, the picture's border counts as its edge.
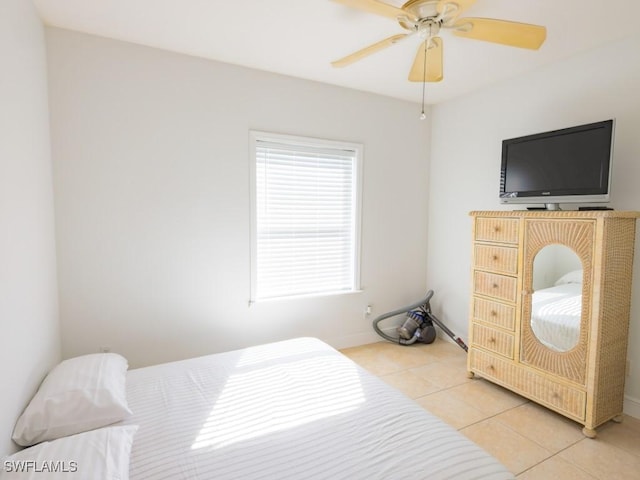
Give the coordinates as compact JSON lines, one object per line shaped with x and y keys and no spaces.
{"x":289,"y":410}
{"x":556,"y":314}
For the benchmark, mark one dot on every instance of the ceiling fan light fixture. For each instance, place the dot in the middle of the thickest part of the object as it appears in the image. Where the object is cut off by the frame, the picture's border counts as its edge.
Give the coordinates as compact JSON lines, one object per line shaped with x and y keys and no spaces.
{"x":427,"y":17}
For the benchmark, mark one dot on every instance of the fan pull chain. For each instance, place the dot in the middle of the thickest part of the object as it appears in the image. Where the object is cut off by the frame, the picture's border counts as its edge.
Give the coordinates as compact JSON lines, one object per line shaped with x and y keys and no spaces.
{"x":424,"y":80}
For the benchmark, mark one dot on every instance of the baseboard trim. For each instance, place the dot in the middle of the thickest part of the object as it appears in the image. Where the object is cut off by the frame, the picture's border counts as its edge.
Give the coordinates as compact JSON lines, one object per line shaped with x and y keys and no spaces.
{"x":631,"y":406}
{"x":354,"y":340}
{"x":358,"y":339}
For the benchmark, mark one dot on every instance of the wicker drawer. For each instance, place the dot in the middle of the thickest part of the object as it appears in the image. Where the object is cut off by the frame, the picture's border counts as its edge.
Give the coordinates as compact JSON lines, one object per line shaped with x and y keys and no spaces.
{"x":493,"y":340}
{"x":495,"y":258}
{"x":496,"y":286}
{"x":502,"y":230}
{"x":494,"y":313}
{"x":562,"y":398}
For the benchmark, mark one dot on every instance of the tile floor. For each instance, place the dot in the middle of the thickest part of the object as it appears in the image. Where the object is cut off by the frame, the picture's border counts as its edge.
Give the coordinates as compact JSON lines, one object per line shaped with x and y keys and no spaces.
{"x":531,"y":441}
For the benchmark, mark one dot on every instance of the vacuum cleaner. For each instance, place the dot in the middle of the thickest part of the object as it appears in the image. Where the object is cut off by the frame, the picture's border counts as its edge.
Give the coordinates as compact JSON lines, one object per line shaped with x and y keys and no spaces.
{"x":418,"y":326}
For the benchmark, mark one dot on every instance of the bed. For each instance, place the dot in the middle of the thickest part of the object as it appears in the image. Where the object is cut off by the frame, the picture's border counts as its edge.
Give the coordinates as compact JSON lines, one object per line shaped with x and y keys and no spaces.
{"x":296,"y":409}
{"x":556,"y":313}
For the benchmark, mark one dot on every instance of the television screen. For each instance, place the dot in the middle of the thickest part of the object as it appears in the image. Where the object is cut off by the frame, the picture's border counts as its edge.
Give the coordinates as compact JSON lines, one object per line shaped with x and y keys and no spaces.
{"x":570,"y":165}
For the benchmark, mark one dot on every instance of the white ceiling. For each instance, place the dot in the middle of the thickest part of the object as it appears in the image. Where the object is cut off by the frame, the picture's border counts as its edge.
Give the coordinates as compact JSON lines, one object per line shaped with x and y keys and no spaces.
{"x":301,"y":37}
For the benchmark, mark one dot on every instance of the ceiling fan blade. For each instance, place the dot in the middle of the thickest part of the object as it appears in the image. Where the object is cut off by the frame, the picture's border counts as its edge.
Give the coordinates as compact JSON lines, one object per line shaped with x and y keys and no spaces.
{"x":513,"y":34}
{"x":374,"y":6}
{"x":433,"y":62}
{"x":376,"y":47}
{"x":459,"y":5}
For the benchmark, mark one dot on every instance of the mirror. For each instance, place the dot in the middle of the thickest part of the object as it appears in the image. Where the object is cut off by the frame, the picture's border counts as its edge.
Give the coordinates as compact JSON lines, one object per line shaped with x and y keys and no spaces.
{"x":556,"y":304}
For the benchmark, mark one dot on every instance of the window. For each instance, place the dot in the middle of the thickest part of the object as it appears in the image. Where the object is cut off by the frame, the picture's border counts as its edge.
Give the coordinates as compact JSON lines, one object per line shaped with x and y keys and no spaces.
{"x":305,"y":216}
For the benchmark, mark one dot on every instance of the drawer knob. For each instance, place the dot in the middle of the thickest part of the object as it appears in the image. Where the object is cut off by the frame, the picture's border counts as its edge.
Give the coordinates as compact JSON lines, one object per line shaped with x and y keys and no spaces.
{"x":496,"y":229}
{"x":495,"y":285}
{"x":495,"y":258}
{"x":491,"y":367}
{"x":492,"y":340}
{"x":493,"y":313}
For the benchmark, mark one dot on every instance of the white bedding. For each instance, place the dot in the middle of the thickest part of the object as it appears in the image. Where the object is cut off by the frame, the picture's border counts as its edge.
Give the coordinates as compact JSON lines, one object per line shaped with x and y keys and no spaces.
{"x":556,"y":314}
{"x":289,"y":410}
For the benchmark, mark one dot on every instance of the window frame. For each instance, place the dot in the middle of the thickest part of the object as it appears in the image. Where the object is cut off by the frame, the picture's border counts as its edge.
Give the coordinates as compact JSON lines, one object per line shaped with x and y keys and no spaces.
{"x":256,"y":136}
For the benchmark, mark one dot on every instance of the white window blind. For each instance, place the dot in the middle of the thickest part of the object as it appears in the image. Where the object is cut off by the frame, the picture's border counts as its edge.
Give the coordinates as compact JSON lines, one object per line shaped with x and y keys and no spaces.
{"x":306,"y":217}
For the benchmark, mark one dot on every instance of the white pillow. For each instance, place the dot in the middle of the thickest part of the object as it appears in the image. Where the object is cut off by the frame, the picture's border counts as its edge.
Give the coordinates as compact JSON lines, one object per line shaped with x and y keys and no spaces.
{"x":571,"y":277}
{"x":79,"y":394}
{"x":99,"y":454}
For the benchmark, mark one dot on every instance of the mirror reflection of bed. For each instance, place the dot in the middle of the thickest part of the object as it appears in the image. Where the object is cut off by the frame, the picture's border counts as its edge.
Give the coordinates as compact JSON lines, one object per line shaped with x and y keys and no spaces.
{"x":556,"y":305}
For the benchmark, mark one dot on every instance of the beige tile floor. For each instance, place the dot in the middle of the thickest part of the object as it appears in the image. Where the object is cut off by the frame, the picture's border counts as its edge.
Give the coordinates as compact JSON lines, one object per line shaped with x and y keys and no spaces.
{"x":531,"y":441}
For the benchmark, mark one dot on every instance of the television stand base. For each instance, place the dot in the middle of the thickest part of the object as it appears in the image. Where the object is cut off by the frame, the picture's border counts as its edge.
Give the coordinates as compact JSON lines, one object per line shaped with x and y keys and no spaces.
{"x":547,"y":206}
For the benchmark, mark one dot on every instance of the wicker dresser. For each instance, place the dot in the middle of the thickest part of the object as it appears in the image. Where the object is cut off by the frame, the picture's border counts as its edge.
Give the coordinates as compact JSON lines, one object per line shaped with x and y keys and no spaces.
{"x":586,"y":381}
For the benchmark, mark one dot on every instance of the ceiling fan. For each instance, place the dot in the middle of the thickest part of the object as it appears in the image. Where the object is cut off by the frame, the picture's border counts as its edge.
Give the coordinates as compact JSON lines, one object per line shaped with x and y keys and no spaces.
{"x":425,"y":18}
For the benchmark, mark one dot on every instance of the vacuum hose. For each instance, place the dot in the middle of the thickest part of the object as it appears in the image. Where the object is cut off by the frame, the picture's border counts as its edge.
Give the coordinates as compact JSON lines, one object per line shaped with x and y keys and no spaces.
{"x":384,"y":316}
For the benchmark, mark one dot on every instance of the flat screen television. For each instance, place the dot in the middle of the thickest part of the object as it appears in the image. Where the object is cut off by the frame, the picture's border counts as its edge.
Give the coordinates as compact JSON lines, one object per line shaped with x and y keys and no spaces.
{"x":572,"y":165}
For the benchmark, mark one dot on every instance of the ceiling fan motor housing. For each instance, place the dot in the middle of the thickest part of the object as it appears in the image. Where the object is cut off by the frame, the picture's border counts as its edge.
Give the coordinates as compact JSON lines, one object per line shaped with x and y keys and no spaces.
{"x":423,"y":12}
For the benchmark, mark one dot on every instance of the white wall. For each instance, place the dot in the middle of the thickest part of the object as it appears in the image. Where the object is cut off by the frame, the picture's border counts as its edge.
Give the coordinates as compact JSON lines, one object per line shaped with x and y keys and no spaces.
{"x":30,"y":340}
{"x":151,"y":169}
{"x":465,"y":163}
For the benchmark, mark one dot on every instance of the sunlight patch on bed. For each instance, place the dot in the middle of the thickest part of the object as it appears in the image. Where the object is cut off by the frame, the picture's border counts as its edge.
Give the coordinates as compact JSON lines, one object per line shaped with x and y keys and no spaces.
{"x":275,"y":351}
{"x":275,"y":398}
